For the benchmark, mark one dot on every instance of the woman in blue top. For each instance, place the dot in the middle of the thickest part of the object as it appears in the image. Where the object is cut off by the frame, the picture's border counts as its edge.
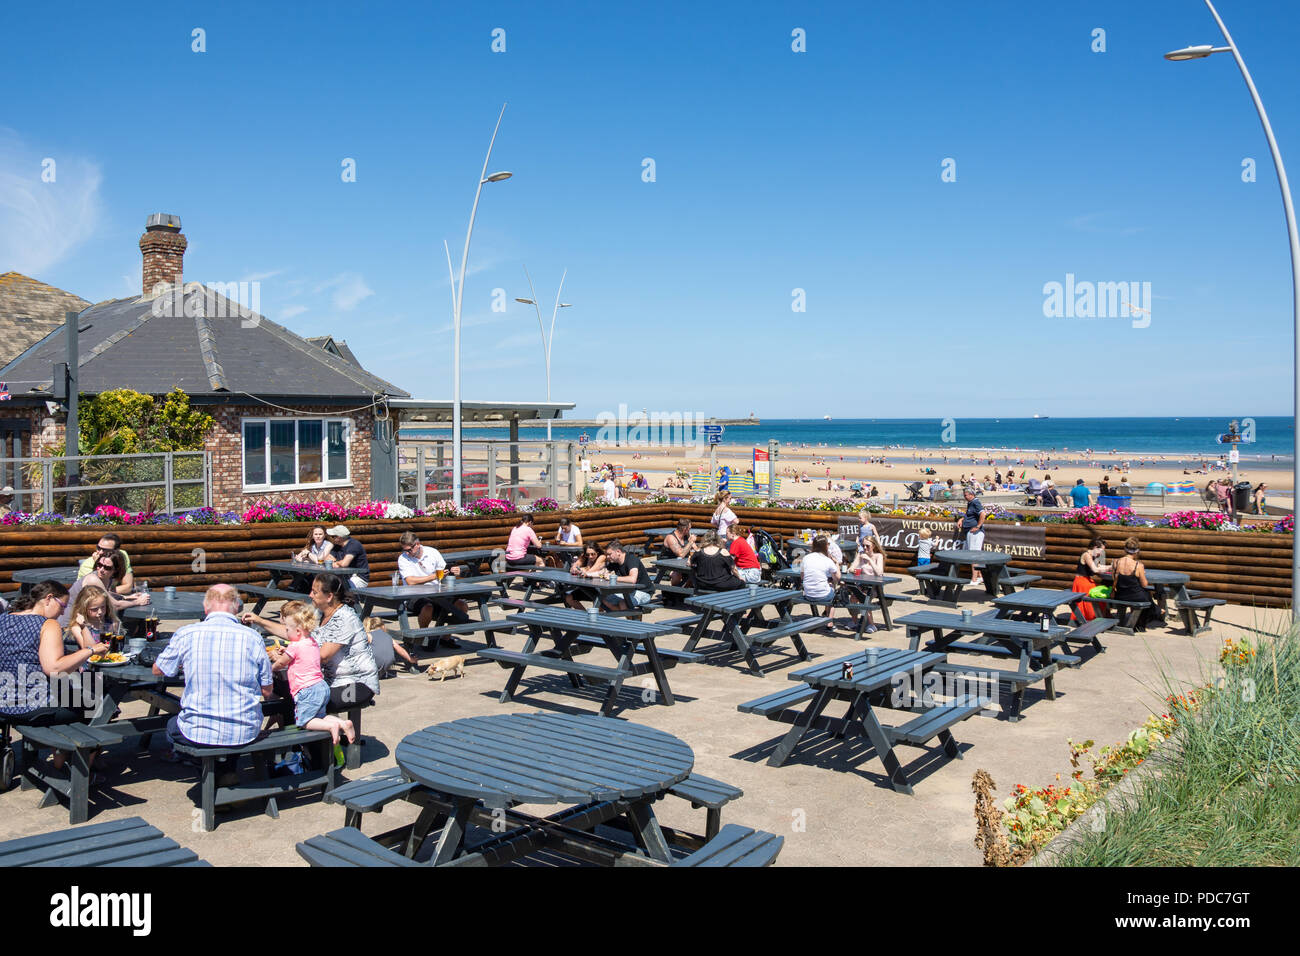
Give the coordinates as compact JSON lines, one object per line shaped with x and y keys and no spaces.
{"x":31,"y":652}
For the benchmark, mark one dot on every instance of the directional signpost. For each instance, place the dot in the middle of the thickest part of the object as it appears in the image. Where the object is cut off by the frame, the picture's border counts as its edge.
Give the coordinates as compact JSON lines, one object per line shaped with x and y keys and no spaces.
{"x":713,"y":433}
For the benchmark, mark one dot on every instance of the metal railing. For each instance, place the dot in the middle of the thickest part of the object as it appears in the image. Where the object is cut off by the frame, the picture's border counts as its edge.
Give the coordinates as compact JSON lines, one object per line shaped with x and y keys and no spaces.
{"x":153,"y":482}
{"x":518,"y":472}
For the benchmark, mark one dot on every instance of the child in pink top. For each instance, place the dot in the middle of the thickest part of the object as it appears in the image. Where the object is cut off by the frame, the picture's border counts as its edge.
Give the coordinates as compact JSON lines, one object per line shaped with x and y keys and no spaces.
{"x":306,"y":682}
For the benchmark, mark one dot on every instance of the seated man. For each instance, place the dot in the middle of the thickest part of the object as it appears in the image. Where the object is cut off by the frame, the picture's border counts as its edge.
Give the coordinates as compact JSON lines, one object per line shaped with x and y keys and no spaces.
{"x":227,"y":676}
{"x":629,"y":570}
{"x":349,"y":553}
{"x":110,"y":544}
{"x":420,"y":565}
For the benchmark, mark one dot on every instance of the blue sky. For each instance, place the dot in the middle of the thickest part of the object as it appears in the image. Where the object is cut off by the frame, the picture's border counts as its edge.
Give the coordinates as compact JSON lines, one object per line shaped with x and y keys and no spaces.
{"x":774,"y":171}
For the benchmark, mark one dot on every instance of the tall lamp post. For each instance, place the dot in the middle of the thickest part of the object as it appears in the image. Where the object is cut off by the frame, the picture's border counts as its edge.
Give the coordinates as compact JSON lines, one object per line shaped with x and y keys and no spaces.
{"x":457,"y":300}
{"x":547,"y":340}
{"x":1198,"y":53}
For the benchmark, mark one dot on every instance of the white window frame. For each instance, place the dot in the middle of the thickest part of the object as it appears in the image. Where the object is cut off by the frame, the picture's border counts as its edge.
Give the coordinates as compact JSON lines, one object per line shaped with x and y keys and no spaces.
{"x":349,"y":427}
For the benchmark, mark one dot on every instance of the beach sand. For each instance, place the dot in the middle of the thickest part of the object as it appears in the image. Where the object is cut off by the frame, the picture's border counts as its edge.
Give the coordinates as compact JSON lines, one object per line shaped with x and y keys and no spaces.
{"x":901,"y":467}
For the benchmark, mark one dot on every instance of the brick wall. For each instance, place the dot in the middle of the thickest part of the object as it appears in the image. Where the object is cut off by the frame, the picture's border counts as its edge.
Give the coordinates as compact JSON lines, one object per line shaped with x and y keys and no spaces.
{"x":225,"y":445}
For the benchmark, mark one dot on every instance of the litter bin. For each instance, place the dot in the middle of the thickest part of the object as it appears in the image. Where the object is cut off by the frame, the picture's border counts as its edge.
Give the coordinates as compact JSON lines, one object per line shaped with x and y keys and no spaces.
{"x":1115,"y":501}
{"x":1241,"y":497}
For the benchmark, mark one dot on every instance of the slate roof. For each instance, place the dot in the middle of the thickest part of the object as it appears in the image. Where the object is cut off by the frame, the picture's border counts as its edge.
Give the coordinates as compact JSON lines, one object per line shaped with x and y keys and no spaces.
{"x":30,"y":310}
{"x":334,"y":346}
{"x":124,"y":344}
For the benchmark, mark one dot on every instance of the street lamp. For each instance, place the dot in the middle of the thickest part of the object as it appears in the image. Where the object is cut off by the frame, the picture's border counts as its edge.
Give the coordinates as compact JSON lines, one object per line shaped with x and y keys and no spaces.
{"x":1198,"y":53}
{"x":458,"y":297}
{"x":547,"y":341}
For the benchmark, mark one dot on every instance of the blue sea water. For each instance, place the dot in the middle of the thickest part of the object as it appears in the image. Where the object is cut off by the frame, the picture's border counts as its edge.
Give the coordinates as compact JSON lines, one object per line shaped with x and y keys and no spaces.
{"x":1274,"y":435}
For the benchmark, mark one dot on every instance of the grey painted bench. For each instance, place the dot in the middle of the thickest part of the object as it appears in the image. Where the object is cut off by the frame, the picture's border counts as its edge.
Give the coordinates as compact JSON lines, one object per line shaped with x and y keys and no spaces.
{"x":1188,"y":609}
{"x":129,"y":842}
{"x":79,"y":741}
{"x":263,"y":751}
{"x":736,"y":846}
{"x":351,"y":751}
{"x":264,"y":594}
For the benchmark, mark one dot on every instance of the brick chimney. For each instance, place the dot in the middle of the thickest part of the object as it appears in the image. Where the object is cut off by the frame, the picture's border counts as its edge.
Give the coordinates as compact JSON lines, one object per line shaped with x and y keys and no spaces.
{"x":163,"y":247}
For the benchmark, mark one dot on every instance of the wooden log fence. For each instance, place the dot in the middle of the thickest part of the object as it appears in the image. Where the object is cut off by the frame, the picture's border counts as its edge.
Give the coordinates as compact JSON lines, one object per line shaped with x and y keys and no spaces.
{"x":1243,"y":568}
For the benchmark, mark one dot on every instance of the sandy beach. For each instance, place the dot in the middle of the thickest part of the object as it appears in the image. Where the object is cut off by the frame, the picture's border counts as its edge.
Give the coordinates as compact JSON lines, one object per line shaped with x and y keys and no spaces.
{"x":892,"y":469}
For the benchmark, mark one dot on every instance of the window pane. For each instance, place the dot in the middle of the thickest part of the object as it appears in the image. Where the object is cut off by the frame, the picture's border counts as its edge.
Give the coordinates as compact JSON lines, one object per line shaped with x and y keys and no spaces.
{"x":282,"y":470}
{"x":338,"y":451}
{"x":310,"y":434}
{"x":254,"y":453}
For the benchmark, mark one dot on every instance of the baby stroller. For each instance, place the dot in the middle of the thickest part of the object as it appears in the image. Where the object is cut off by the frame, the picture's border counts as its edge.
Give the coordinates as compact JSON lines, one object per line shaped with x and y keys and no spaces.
{"x":7,"y":758}
{"x":914,"y":491}
{"x":770,"y":556}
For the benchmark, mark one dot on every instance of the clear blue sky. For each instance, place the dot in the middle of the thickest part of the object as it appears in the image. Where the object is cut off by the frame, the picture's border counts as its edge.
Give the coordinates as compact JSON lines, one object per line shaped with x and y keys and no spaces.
{"x":775,"y":170}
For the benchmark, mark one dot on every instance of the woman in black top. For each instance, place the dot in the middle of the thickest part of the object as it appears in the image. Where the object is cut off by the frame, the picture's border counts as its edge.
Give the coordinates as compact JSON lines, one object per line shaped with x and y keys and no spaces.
{"x":678,"y":544}
{"x":1131,"y":584}
{"x":715,"y":569}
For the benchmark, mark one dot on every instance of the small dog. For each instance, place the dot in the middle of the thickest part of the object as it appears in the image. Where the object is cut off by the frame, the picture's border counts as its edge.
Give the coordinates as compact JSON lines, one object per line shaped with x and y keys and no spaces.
{"x":455,"y":666}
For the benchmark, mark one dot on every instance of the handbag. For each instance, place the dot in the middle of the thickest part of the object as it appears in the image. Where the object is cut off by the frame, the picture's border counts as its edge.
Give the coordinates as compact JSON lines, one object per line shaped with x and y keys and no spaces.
{"x":1101,"y":591}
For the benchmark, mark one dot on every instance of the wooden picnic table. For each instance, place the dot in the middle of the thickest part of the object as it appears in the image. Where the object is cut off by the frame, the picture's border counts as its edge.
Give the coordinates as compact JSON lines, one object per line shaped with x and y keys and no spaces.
{"x":502,"y":760}
{"x":564,"y":583}
{"x":860,"y":587}
{"x":1034,"y":604}
{"x":996,"y":578}
{"x":403,"y":596}
{"x":127,"y":842}
{"x":988,"y":634}
{"x":744,"y":624}
{"x":574,"y":630}
{"x":471,"y":558}
{"x":178,"y":606}
{"x":882,"y":678}
{"x":28,"y":577}
{"x":1162,"y":583}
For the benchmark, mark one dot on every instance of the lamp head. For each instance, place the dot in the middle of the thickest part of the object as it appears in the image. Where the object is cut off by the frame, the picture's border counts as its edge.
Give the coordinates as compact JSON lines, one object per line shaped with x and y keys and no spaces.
{"x":566,"y":305}
{"x":497,"y":177}
{"x":526,"y":301}
{"x":1191,"y":52}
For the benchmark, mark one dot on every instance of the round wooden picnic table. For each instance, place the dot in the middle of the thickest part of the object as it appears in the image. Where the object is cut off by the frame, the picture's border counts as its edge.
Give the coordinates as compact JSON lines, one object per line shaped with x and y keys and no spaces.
{"x":27,"y":577}
{"x":990,"y":559}
{"x":571,"y":759}
{"x":178,"y":606}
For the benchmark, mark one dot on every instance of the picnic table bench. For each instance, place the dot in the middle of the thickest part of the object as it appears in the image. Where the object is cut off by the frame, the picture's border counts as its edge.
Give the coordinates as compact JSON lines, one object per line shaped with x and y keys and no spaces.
{"x":624,"y":639}
{"x":744,"y":624}
{"x":998,"y":577}
{"x":79,"y":741}
{"x":129,"y":842}
{"x":400,"y":598}
{"x":1036,"y":604}
{"x":881,"y":678}
{"x":263,"y":750}
{"x":857,"y":592}
{"x":990,"y":635}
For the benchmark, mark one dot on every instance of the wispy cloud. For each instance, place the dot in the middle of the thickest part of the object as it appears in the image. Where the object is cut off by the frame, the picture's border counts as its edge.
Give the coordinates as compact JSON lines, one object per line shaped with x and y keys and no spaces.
{"x":348,"y":288}
{"x":42,"y":222}
{"x":289,"y":311}
{"x":261,"y":276}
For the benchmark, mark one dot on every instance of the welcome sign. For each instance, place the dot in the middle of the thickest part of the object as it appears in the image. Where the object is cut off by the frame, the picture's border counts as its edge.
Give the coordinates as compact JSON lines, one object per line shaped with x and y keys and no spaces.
{"x":904,"y":534}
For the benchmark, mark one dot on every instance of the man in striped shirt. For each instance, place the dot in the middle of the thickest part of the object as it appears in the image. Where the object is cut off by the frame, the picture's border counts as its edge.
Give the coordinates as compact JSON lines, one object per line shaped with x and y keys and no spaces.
{"x":227,"y":675}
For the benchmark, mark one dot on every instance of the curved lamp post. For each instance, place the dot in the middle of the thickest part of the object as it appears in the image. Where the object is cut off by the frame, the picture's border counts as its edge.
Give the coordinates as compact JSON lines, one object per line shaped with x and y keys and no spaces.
{"x":457,"y":300}
{"x":547,"y":341}
{"x":1199,"y":53}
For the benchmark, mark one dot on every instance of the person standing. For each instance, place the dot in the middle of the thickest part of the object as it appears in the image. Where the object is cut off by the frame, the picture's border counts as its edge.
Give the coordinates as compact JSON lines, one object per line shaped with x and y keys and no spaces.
{"x":972,"y":529}
{"x":723,"y":516}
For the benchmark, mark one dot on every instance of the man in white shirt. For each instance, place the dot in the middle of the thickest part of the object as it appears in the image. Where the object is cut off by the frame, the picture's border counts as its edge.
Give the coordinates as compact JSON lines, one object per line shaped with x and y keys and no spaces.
{"x":821,"y":574}
{"x":611,"y":490}
{"x":420,"y":565}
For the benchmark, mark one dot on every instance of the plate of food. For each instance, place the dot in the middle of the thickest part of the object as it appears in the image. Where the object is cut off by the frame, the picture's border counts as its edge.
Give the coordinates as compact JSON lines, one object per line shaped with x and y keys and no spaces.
{"x":112,"y":659}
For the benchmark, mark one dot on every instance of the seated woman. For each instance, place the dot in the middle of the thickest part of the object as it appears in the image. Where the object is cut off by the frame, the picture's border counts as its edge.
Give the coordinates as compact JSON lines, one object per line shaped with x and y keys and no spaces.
{"x":31,"y":653}
{"x":715,"y":569}
{"x":821,"y":575}
{"x":108,"y":570}
{"x":317,"y":548}
{"x":1257,"y":498}
{"x":1087,"y":573}
{"x":568,"y":533}
{"x":1131,"y":584}
{"x":589,"y":564}
{"x":521,"y":548}
{"x":870,"y":561}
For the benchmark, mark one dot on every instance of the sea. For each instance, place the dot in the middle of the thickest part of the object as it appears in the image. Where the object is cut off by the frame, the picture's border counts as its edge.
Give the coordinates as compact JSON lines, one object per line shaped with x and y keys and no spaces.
{"x":1271,"y":438}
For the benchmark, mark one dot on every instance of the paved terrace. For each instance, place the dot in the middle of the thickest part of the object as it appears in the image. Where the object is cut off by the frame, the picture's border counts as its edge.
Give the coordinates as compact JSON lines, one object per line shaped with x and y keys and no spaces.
{"x":850,"y":815}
